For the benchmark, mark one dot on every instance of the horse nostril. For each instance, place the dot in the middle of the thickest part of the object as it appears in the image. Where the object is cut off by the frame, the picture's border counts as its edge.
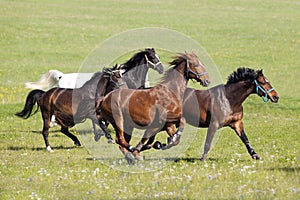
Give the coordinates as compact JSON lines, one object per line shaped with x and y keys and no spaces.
{"x":207,"y":82}
{"x":276,"y":98}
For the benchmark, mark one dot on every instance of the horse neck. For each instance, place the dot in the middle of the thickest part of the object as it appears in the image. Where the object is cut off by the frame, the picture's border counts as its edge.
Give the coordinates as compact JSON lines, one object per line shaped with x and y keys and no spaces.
{"x":137,"y":75}
{"x":175,"y":80}
{"x":239,"y":92}
{"x":89,"y":88}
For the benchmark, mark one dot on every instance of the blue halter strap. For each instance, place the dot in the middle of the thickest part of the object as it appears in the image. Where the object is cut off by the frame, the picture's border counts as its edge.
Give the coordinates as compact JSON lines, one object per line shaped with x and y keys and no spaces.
{"x":258,"y":87}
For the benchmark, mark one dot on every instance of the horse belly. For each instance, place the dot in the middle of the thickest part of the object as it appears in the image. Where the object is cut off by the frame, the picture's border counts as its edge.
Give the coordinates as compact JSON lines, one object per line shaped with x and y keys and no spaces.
{"x":140,"y":112}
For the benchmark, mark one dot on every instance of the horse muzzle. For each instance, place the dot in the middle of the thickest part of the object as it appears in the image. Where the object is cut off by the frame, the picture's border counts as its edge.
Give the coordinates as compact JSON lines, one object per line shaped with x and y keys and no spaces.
{"x":204,"y":83}
{"x":274,"y":98}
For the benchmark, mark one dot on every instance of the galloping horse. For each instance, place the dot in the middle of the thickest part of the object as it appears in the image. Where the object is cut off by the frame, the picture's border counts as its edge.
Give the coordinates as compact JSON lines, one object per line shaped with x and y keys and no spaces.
{"x":71,"y":106}
{"x":221,"y":106}
{"x":154,"y":109}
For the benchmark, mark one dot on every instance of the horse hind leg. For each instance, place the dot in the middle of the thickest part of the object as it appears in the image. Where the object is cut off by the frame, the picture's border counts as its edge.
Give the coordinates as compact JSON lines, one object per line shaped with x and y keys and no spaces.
{"x":65,"y":131}
{"x":45,"y":133}
{"x":213,"y":127}
{"x":147,"y":140}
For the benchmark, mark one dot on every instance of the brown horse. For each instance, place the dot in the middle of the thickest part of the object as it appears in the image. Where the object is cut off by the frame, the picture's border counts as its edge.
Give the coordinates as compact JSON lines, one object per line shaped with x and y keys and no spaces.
{"x":221,"y":106}
{"x":153,"y":109}
{"x":70,"y":106}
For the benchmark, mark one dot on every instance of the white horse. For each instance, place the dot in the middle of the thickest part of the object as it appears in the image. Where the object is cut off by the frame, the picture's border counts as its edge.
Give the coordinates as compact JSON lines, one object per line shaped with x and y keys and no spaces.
{"x":55,"y":78}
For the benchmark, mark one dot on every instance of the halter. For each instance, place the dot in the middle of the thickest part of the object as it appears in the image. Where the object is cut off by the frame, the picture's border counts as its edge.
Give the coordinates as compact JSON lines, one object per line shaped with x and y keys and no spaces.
{"x":194,"y":73}
{"x":258,"y":87}
{"x":152,"y":63}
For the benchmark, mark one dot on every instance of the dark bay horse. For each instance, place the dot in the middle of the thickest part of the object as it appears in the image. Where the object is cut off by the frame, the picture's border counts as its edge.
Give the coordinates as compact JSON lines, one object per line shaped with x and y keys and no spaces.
{"x":71,"y":106}
{"x":221,"y":106}
{"x":155,"y":108}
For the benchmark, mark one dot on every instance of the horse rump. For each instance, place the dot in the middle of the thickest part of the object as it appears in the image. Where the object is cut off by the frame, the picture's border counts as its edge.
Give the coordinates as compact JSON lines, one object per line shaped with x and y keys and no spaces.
{"x":32,"y":98}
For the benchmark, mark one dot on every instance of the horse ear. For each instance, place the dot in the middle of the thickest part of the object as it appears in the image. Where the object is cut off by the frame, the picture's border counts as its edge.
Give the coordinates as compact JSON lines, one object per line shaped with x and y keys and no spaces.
{"x":259,"y":73}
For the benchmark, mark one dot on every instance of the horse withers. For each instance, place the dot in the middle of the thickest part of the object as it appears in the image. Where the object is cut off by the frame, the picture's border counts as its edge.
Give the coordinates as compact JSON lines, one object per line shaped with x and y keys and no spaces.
{"x":154,"y":109}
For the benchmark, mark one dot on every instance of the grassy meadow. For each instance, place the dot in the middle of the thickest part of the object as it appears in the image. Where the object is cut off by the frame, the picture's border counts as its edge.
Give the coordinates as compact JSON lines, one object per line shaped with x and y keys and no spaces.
{"x":37,"y":36}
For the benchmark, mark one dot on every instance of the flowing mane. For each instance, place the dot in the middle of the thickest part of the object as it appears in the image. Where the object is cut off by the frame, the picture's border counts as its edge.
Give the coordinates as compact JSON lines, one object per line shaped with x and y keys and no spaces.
{"x":132,"y":62}
{"x":173,"y":64}
{"x":242,"y":74}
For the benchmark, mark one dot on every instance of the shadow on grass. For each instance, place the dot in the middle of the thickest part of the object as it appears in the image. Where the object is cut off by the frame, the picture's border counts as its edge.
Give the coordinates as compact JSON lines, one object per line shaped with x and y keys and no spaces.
{"x":29,"y":131}
{"x":16,"y":148}
{"x":285,"y":169}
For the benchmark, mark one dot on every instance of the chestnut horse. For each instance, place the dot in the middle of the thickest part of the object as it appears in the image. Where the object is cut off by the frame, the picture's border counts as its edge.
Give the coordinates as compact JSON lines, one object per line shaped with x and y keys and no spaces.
{"x":221,"y":106}
{"x":153,"y":109}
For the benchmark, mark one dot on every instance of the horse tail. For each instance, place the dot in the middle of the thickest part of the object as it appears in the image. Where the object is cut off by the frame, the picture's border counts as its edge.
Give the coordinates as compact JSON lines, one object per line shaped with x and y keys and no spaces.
{"x":32,"y":98}
{"x":47,"y":80}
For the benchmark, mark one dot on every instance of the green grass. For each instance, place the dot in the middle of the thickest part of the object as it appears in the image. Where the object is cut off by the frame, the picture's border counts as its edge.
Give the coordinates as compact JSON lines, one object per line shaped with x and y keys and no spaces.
{"x":37,"y":36}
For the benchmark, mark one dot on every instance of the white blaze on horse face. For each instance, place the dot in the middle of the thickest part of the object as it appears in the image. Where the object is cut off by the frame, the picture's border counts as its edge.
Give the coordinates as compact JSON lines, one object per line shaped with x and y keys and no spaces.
{"x":267,"y":81}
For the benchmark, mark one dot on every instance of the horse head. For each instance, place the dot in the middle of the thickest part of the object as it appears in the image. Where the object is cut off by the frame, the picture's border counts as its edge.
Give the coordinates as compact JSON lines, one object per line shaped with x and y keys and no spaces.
{"x":196,"y":70}
{"x":153,"y":60}
{"x":264,"y":89}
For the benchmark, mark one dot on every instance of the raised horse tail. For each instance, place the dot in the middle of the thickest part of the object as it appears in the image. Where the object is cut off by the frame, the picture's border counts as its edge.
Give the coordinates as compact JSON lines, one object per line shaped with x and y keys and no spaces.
{"x":47,"y":80}
{"x":32,"y":98}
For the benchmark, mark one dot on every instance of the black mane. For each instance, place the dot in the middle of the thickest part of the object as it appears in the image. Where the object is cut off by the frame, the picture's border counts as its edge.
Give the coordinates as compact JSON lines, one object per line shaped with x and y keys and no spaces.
{"x":242,"y":74}
{"x":132,"y":62}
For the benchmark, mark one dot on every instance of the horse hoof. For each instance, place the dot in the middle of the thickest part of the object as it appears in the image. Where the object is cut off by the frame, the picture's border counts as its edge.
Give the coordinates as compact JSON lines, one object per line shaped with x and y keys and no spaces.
{"x":97,"y":137}
{"x":110,"y":141}
{"x":139,"y":157}
{"x":203,"y":158}
{"x":255,"y":157}
{"x":130,"y":160}
{"x":49,"y":149}
{"x":157,"y":145}
{"x":77,"y":143}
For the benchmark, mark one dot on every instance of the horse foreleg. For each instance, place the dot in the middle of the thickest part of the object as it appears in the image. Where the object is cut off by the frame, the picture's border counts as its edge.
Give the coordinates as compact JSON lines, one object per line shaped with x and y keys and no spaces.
{"x":147,"y":140}
{"x":175,"y":136}
{"x":123,"y":140}
{"x":65,"y":131}
{"x":213,"y":127}
{"x":238,"y":127}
